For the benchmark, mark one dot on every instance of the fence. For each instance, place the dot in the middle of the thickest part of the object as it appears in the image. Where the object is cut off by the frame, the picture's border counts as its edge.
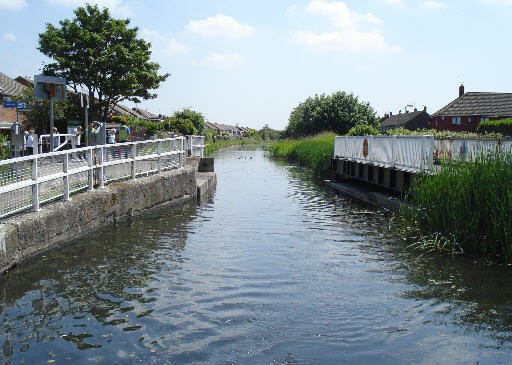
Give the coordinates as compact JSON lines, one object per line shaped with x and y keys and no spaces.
{"x":195,"y":146}
{"x":409,"y":153}
{"x":27,"y":182}
{"x":61,"y":139}
{"x":468,"y":149}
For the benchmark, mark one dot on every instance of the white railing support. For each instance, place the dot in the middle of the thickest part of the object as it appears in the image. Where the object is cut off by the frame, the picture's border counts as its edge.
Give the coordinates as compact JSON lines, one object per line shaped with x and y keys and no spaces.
{"x":393,"y":152}
{"x":133,"y":154}
{"x":422,"y":154}
{"x":159,"y":152}
{"x":65,"y":169}
{"x":35,"y":186}
{"x":90,"y":186}
{"x":101,"y":169}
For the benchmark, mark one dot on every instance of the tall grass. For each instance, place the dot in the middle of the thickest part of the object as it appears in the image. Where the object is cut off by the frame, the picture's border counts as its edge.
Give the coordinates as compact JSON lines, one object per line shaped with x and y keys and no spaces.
{"x":466,"y":204}
{"x":315,"y":153}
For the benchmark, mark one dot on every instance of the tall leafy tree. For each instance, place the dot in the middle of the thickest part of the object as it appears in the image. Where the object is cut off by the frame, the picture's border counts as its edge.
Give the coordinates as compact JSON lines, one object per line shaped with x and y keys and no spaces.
{"x":195,"y":117}
{"x":103,"y":54}
{"x":337,"y":113}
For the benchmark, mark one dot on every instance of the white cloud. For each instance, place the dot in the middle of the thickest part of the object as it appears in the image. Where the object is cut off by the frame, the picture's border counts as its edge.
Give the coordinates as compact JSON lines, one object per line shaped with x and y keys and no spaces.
{"x":348,"y":35}
{"x":223,"y":61}
{"x":432,"y":4}
{"x":9,"y":37}
{"x":339,"y":13}
{"x":164,"y":43}
{"x":220,"y":25}
{"x":393,"y":2}
{"x":115,"y":6}
{"x":13,"y":4}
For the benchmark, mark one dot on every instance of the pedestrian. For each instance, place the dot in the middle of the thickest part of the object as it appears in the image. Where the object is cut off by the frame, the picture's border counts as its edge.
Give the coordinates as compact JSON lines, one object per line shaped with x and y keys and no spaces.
{"x":112,"y":136}
{"x":77,"y":133}
{"x":30,"y":142}
{"x":55,"y":138}
{"x":25,"y":135}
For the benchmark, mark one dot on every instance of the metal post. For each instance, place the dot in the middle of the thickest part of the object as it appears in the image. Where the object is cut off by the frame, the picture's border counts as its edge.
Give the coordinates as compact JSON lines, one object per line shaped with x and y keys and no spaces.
{"x":202,"y":146}
{"x":134,"y":155}
{"x":102,"y":151}
{"x":393,"y":152}
{"x":190,"y":145}
{"x":86,"y":134}
{"x":65,"y":167}
{"x":159,"y":152}
{"x":91,"y":170}
{"x":431,"y":154}
{"x":182,"y":151}
{"x":422,"y":156}
{"x":51,"y":125}
{"x":35,"y":186}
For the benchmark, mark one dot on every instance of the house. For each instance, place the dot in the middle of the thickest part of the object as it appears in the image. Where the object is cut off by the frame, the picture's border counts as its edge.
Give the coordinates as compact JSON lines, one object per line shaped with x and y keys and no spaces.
{"x":408,"y":120}
{"x":9,"y":90}
{"x":471,"y":108}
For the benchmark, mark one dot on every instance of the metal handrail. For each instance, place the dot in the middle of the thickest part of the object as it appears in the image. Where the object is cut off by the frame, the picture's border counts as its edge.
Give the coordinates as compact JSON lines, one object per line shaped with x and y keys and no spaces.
{"x":195,"y":145}
{"x":26,"y":171}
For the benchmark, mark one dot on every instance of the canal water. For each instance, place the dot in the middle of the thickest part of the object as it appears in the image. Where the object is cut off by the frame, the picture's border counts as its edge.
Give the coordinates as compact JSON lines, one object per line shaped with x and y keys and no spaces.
{"x":275,"y":269}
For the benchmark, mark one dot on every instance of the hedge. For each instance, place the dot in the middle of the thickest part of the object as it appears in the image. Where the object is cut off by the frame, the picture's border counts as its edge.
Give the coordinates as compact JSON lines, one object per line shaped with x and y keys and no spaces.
{"x":503,"y":126}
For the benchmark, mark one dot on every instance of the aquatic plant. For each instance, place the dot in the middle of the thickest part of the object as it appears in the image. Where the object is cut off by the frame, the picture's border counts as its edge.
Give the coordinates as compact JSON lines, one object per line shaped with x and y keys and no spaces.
{"x":466,"y":206}
{"x":315,"y":153}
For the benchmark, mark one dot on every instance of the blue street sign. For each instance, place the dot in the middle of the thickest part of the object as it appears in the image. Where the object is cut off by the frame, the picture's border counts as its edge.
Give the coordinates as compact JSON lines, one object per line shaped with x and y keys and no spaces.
{"x":14,"y":104}
{"x":10,"y":104}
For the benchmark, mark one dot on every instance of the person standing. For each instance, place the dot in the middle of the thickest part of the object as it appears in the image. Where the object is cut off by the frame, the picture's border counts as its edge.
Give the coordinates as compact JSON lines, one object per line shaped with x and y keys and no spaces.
{"x":124,"y":133}
{"x":25,"y":136}
{"x":55,"y":138}
{"x":111,"y":136}
{"x":30,"y":142}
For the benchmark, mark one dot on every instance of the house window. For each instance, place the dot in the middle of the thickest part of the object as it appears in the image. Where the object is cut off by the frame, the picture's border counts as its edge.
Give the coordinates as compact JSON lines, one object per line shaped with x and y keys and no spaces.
{"x":484,"y":119}
{"x":469,"y":120}
{"x":442,"y":118}
{"x":456,"y":120}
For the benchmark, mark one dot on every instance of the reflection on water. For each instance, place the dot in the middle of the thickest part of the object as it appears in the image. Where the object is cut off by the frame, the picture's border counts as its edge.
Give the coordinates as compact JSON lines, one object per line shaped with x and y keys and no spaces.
{"x":275,"y":269}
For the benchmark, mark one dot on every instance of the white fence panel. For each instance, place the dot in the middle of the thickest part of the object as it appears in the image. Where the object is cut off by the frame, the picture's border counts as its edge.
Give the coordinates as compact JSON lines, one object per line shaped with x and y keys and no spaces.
{"x":26,"y":182}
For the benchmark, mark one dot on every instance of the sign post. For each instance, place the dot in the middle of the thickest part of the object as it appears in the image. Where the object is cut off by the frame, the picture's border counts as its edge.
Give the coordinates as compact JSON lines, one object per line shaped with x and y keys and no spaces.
{"x":50,"y":88}
{"x":84,"y":103}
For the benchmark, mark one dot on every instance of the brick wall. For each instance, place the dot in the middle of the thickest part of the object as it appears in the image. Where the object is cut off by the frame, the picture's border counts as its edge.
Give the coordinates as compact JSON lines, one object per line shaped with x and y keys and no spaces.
{"x":9,"y":115}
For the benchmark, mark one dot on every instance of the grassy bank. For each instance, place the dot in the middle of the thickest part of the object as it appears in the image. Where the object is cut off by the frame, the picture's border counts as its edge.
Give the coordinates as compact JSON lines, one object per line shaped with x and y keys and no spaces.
{"x":220,"y":144}
{"x":466,"y":206}
{"x":315,"y":153}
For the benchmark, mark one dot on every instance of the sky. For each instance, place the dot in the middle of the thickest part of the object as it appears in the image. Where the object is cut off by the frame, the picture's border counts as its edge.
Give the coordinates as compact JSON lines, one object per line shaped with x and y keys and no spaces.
{"x":250,"y":62}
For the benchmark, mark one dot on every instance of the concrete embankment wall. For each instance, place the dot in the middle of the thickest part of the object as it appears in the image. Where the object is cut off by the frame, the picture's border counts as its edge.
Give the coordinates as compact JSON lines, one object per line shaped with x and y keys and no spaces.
{"x":26,"y":235}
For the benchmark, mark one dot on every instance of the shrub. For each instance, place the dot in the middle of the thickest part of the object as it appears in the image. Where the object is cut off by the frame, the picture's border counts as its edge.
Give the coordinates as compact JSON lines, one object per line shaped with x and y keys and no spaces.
{"x":4,"y":150}
{"x":363,"y":130}
{"x":503,"y":126}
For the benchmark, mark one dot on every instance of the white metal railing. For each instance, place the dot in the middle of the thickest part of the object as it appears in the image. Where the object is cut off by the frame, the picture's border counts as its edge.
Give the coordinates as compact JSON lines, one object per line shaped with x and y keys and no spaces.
{"x":27,"y":182}
{"x":195,"y":145}
{"x":62,"y":140}
{"x":412,"y":153}
{"x":468,"y":149}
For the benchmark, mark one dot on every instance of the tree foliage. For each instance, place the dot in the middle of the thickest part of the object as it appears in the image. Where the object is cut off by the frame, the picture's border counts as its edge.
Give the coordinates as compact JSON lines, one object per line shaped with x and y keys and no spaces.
{"x":181,"y":125}
{"x":337,"y":112}
{"x":102,"y":54}
{"x":196,"y":118}
{"x":39,"y":115}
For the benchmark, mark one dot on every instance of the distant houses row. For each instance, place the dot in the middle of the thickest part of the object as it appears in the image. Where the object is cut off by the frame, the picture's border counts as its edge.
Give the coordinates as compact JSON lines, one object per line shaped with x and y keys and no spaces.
{"x":463,"y":114}
{"x":13,"y":88}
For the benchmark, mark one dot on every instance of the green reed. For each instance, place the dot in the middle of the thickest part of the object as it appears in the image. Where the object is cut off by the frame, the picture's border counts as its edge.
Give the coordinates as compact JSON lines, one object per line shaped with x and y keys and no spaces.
{"x":315,"y":153}
{"x":466,"y":205}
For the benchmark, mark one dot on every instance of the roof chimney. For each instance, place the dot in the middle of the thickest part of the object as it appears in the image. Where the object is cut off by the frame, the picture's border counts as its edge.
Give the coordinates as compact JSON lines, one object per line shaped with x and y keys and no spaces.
{"x":424,"y":108}
{"x":415,"y":109}
{"x":400,"y":111}
{"x":461,"y":90}
{"x":390,"y":113}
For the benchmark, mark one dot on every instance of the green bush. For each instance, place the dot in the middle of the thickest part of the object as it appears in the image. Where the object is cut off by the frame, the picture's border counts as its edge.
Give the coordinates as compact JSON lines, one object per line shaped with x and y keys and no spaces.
{"x":151,"y":127}
{"x":315,"y":153}
{"x":179,"y":125}
{"x":503,"y":126}
{"x":466,"y":205}
{"x":4,"y":150}
{"x":363,"y":130}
